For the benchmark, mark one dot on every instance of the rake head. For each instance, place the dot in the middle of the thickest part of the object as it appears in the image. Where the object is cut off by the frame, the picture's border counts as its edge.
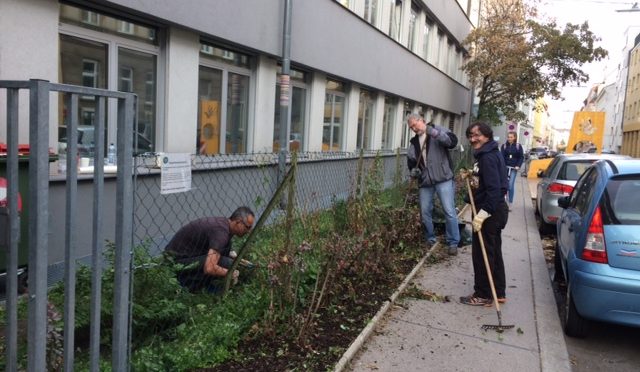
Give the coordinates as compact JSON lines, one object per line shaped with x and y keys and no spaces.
{"x":496,"y":327}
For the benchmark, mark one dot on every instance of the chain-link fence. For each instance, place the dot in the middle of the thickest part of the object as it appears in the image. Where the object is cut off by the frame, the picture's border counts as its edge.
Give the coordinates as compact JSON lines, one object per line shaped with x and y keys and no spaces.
{"x":222,"y":183}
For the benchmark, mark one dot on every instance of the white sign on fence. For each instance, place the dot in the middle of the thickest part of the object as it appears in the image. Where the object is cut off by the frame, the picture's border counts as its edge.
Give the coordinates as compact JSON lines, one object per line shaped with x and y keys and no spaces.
{"x":175,"y":175}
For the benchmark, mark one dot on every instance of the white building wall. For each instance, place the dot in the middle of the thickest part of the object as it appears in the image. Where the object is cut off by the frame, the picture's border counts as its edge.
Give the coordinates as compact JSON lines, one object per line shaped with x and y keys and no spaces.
{"x":350,"y":130}
{"x":29,"y":50}
{"x":182,"y":91}
{"x":316,"y":110}
{"x":265,"y":99}
{"x":378,"y":114}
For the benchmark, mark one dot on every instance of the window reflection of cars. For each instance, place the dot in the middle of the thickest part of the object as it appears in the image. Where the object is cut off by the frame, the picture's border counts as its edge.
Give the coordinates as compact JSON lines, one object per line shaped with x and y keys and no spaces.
{"x":86,"y":141}
{"x":598,"y":249}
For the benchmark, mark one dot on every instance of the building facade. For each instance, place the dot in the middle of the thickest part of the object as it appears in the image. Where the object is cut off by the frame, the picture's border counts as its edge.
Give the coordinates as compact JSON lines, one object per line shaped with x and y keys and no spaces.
{"x":206,"y":73}
{"x":631,"y":117}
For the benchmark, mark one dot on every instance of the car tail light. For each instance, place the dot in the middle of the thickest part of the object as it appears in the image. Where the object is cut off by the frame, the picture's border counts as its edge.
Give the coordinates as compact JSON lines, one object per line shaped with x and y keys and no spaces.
{"x":558,"y":188}
{"x":594,"y":248}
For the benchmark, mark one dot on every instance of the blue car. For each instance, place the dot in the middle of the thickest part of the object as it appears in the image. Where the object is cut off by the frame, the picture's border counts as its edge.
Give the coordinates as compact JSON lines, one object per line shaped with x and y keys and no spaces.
{"x":598,"y":246}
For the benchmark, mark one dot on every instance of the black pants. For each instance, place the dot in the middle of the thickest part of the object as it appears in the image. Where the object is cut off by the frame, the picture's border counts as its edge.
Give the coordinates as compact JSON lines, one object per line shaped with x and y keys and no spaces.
{"x":492,"y":235}
{"x":195,"y":279}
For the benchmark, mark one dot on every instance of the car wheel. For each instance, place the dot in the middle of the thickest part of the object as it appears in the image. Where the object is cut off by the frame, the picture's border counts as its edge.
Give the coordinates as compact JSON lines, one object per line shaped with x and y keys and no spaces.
{"x":558,"y":275}
{"x":544,"y":228}
{"x":574,"y":324}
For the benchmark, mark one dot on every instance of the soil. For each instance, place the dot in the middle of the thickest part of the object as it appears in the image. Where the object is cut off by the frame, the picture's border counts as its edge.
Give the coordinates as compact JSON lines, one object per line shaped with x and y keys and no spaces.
{"x":336,"y":328}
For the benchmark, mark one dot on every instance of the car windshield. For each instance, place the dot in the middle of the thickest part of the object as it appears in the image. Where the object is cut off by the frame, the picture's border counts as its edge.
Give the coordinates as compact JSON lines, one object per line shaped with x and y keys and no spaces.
{"x":572,"y":170}
{"x":621,"y":201}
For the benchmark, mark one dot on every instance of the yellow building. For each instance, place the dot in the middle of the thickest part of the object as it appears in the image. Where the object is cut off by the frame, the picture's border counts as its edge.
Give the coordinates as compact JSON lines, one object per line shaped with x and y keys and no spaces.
{"x":631,"y":119}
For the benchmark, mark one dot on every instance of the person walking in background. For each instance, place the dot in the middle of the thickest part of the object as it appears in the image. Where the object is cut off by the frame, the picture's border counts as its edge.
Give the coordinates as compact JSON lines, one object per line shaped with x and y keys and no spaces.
{"x":204,"y":245}
{"x":428,"y":162}
{"x":492,"y":214}
{"x":513,"y":158}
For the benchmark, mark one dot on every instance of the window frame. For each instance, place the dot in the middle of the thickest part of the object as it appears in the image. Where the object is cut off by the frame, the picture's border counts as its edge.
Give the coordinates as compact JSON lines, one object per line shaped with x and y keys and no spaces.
{"x":227,"y":68}
{"x":113,"y":44}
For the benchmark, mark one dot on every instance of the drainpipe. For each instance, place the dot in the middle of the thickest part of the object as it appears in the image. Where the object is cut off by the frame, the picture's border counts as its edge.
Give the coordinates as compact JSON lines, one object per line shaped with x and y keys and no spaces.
{"x":285,"y":93}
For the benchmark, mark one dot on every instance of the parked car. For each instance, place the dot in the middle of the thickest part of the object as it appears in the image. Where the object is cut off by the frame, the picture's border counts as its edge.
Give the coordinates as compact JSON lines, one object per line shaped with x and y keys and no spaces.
{"x":558,"y":180}
{"x":538,"y":153}
{"x":598,"y":246}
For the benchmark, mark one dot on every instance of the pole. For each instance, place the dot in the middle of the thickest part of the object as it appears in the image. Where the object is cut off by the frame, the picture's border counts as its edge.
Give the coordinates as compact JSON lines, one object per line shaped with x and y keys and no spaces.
{"x":285,"y":90}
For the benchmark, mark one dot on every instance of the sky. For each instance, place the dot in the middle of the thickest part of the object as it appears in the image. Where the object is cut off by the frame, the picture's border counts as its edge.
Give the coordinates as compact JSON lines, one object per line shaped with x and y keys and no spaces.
{"x":606,"y":23}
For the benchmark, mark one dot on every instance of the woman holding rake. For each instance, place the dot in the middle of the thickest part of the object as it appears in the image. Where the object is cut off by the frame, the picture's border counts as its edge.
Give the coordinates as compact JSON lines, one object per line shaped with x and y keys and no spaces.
{"x":490,"y":178}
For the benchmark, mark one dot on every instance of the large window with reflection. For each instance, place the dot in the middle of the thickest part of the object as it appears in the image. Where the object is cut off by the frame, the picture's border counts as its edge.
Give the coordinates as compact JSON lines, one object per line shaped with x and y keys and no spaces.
{"x":333,"y":123}
{"x":296,"y":124}
{"x":223,"y":101}
{"x":395,"y":19}
{"x":104,"y":51}
{"x":388,"y":121}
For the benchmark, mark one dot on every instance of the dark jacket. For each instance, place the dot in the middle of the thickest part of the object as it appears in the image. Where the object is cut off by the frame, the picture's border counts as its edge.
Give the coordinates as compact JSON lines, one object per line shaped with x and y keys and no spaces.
{"x":512,"y":154}
{"x":493,"y":182}
{"x":437,"y":168}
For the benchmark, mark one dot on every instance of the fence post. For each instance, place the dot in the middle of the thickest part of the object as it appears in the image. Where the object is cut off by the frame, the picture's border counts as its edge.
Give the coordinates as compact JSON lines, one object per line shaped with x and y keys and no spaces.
{"x":124,"y":234}
{"x":38,"y":222}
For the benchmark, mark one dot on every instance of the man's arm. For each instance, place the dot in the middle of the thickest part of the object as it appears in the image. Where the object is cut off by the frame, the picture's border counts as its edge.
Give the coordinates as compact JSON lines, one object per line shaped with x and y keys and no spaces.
{"x":211,"y":266}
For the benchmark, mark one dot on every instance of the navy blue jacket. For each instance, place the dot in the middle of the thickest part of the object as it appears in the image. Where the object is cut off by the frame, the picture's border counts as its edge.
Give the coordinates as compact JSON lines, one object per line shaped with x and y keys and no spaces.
{"x":513,"y":154}
{"x":492,"y":172}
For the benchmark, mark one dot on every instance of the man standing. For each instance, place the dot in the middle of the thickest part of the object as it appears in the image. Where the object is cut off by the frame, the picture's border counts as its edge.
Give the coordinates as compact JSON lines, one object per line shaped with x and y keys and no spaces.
{"x":428,"y":161}
{"x":491,"y":218}
{"x":206,"y":242}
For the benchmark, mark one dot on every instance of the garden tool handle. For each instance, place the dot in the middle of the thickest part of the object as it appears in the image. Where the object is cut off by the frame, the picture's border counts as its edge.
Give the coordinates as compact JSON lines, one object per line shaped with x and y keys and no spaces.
{"x":484,"y":251}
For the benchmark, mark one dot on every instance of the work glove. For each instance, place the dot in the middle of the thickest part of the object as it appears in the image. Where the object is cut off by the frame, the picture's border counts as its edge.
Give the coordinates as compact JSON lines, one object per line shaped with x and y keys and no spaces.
{"x":465,"y":173}
{"x":415,"y":173}
{"x":479,"y":219}
{"x":233,"y":254}
{"x":432,"y":131}
{"x":236,"y":275}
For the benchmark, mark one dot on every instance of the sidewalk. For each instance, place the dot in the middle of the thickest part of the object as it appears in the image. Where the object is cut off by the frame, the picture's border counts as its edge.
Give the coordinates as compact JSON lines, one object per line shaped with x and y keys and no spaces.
{"x":422,"y":335}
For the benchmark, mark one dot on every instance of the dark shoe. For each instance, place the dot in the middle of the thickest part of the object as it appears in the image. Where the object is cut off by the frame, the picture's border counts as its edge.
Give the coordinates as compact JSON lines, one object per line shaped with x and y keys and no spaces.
{"x":452,"y":251}
{"x":475,"y":301}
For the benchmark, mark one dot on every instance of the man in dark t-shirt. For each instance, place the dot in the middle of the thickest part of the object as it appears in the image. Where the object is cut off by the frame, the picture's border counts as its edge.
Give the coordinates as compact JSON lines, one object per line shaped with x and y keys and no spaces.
{"x":207,"y":241}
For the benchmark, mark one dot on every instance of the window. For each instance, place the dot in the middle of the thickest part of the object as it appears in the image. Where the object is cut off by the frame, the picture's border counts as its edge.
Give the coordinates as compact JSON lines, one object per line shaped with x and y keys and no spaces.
{"x":388,"y":121}
{"x":223,"y":101}
{"x":395,"y":19}
{"x":413,"y":27}
{"x":407,"y":133}
{"x":334,"y":105}
{"x":371,"y":11}
{"x":426,"y":33}
{"x":85,"y":61}
{"x":125,"y":27}
{"x":89,"y":17}
{"x":126,"y":79}
{"x":297,"y":121}
{"x":365,"y":120}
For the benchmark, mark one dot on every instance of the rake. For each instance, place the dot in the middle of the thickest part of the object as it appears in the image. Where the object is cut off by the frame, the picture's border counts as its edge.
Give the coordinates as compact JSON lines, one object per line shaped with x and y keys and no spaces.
{"x":496,"y":327}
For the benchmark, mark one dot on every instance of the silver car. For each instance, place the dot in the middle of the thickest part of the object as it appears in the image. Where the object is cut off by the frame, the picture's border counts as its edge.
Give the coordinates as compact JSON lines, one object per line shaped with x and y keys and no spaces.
{"x":557,"y":181}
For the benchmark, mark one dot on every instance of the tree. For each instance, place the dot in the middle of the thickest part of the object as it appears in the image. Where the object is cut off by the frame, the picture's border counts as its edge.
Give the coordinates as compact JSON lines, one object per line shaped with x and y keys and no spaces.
{"x":515,"y":57}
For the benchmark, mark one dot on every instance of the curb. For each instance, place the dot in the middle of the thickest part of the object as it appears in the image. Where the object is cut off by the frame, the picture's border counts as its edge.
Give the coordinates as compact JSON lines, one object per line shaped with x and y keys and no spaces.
{"x":366,"y":332}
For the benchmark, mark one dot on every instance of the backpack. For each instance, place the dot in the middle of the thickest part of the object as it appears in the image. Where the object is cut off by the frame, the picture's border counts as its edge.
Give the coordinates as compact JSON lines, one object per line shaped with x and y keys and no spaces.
{"x":518,"y":146}
{"x":454,"y":140}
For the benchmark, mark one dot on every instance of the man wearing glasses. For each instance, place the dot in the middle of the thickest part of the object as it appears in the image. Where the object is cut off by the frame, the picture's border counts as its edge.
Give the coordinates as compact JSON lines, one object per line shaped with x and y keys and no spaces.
{"x":204,"y":245}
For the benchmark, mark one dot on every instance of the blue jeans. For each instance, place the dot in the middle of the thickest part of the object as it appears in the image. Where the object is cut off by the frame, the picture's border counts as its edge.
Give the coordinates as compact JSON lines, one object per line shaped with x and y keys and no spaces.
{"x":512,"y":182}
{"x":446,"y":194}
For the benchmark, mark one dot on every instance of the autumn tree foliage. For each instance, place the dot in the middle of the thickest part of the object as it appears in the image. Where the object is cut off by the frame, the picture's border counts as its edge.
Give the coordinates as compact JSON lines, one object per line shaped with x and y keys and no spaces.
{"x":515,"y":55}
